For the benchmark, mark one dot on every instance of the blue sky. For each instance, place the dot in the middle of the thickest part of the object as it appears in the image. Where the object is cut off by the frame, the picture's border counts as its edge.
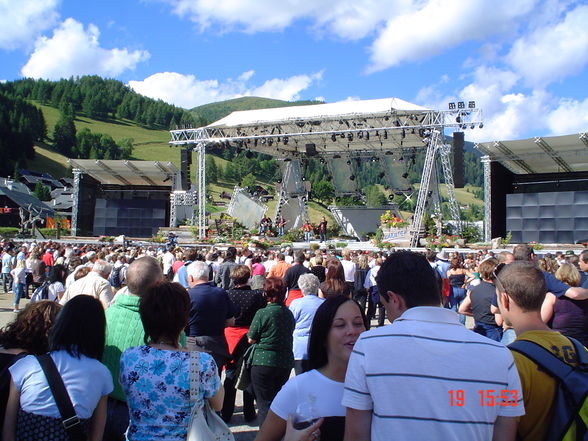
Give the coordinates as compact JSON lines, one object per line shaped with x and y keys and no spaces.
{"x":524,"y":61}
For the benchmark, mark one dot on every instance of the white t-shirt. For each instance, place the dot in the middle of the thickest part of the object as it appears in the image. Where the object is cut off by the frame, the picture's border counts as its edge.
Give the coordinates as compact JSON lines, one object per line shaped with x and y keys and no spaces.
{"x":168,"y":260}
{"x":348,"y":270}
{"x":313,"y":387}
{"x":54,"y":290}
{"x":86,"y":381}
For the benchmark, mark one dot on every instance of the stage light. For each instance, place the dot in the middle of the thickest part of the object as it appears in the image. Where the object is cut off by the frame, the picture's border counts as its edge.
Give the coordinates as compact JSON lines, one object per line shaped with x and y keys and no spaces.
{"x":390,"y":197}
{"x":349,"y":162}
{"x":303,"y":178}
{"x":461,"y":105}
{"x":367,"y":136}
{"x":403,"y":133}
{"x":352,"y":177}
{"x":322,"y":160}
{"x":279,"y":181}
{"x":360,"y":135}
{"x":336,"y":156}
{"x":285,"y":140}
{"x":350,"y":136}
{"x":249,"y":154}
{"x":269,"y":142}
{"x":473,"y":126}
{"x":458,"y":119}
{"x":401,"y":158}
{"x":471,"y":104}
{"x":481,"y":126}
{"x":451,"y":106}
{"x":381,"y":175}
{"x":385,"y":134}
{"x":333,"y":137}
{"x":404,"y":175}
{"x":255,"y":142}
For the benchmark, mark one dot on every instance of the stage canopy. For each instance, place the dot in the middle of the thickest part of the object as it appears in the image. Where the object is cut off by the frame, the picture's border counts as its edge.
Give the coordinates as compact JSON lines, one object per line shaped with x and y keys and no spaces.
{"x":554,"y":154}
{"x":130,"y":173}
{"x":353,"y":127}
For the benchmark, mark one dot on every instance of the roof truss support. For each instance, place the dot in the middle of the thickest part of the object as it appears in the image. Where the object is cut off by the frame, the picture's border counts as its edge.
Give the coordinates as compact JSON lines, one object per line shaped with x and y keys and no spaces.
{"x":553,"y":154}
{"x":112,"y":172}
{"x":140,"y":173}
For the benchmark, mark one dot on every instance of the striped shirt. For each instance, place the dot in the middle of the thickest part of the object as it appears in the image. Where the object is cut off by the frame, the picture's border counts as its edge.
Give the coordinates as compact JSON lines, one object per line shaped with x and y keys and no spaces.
{"x":427,"y":377}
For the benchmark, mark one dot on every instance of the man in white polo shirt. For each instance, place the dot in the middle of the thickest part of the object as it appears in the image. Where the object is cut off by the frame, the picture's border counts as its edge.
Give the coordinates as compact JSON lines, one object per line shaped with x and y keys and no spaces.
{"x":348,"y":268}
{"x":425,"y":376}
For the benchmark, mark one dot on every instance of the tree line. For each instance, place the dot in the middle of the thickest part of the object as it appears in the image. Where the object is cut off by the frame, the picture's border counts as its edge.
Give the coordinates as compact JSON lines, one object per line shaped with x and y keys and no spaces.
{"x":100,"y":98}
{"x":21,"y":125}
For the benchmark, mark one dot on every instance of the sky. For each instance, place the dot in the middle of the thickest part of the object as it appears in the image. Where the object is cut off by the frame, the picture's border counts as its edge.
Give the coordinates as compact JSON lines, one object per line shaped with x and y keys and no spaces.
{"x":524,"y":62}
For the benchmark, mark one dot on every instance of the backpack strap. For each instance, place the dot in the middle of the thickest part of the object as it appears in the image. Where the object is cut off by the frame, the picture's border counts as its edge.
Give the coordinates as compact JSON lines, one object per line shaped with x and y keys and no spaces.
{"x":542,"y":357}
{"x":70,"y":420}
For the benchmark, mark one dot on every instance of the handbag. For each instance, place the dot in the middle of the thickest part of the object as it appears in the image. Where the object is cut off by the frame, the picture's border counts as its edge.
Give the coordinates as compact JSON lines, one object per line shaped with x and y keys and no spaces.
{"x":244,"y":368}
{"x":70,"y":422}
{"x":205,"y":424}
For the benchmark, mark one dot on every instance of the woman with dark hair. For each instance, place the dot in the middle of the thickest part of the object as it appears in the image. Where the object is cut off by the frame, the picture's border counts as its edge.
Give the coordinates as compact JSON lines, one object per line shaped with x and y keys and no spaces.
{"x":155,"y":377}
{"x":247,"y":302}
{"x":334,"y":283}
{"x":257,"y":268}
{"x":336,"y":326}
{"x":456,"y":275}
{"x":76,"y":343}
{"x":57,"y":277}
{"x":271,"y":330}
{"x":28,"y":333}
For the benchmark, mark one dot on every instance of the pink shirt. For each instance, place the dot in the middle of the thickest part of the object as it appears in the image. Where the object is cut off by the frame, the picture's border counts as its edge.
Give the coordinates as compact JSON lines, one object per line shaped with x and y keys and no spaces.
{"x":258,"y":269}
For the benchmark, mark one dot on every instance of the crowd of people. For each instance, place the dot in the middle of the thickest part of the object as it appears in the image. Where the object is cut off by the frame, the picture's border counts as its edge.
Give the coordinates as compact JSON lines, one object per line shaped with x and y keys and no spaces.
{"x":126,"y":326}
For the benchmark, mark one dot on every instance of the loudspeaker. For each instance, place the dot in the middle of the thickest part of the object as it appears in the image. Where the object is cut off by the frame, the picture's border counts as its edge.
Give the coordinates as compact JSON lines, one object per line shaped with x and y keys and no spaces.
{"x":185,"y":161}
{"x":311,"y":150}
{"x":458,"y":143}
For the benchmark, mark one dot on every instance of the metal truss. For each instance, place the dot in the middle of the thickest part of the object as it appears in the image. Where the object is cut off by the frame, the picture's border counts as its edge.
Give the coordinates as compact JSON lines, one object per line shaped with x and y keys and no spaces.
{"x":356,"y":136}
{"x":419,"y":212}
{"x":429,"y":189}
{"x":233,"y":201}
{"x":486,"y":161}
{"x":181,"y":198}
{"x":444,"y":152}
{"x":77,"y":173}
{"x":201,"y":190}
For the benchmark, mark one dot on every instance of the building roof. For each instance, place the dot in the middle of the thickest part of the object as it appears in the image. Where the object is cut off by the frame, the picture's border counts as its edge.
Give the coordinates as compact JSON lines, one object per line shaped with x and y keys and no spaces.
{"x":131,"y":173}
{"x":25,"y":200}
{"x":553,"y":154}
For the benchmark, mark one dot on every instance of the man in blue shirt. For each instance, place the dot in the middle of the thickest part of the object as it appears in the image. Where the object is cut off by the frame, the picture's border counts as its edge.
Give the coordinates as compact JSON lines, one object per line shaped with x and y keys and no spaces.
{"x":211,"y":311}
{"x":583,"y":263}
{"x":525,"y":253}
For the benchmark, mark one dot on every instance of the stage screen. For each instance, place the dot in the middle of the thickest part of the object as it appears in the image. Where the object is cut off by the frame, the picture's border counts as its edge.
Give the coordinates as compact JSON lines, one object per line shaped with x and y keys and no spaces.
{"x":131,"y":217}
{"x":341,"y":173}
{"x":550,"y":217}
{"x":394,"y":171}
{"x":246,"y":210}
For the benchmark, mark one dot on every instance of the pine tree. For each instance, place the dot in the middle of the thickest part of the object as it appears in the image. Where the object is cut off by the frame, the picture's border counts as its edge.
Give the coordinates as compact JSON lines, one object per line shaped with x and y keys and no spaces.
{"x":64,"y":135}
{"x":211,"y":170}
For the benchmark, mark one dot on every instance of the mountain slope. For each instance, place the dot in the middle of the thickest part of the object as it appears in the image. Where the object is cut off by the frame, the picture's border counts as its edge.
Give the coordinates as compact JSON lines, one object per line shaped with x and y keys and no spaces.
{"x":215,"y":111}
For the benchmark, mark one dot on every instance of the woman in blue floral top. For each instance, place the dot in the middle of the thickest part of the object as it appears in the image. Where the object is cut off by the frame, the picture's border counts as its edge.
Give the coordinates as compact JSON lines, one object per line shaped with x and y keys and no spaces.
{"x":156,"y":377}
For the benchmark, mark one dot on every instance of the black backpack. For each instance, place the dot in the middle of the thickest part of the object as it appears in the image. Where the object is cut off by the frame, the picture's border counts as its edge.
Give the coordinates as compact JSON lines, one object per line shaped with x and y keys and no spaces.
{"x":570,"y":406}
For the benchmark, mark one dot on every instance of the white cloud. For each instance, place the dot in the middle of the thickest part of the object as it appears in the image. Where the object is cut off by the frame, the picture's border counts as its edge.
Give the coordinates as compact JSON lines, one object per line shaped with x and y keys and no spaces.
{"x":553,"y":51}
{"x":350,"y":19}
{"x":570,"y":116}
{"x":72,"y":50}
{"x":187,"y":91}
{"x":22,"y":21}
{"x":442,"y":24}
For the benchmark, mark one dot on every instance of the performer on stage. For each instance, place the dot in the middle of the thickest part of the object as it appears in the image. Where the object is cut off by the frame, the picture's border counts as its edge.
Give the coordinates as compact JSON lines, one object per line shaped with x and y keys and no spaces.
{"x":281,"y":223}
{"x":307,"y":228}
{"x":323,"y":230}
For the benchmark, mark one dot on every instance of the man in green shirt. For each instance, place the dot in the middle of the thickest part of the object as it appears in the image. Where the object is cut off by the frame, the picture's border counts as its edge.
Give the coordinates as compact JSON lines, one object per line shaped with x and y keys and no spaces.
{"x":124,"y":329}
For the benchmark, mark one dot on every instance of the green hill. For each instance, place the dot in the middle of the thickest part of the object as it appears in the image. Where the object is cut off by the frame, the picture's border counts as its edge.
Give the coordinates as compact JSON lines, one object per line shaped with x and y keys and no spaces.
{"x":215,"y":111}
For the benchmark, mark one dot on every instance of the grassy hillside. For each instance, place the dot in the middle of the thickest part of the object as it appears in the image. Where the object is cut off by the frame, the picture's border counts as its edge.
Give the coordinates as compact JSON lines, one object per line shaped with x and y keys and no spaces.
{"x":215,"y":111}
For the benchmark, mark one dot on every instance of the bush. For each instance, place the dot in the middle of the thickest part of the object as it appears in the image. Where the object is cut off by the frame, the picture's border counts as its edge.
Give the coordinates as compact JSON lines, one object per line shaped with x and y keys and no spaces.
{"x":51,"y":233}
{"x":8,"y":231}
{"x":341,"y":244}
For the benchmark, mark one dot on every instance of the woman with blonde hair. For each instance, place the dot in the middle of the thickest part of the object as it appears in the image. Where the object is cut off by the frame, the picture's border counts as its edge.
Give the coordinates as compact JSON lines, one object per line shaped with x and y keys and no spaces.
{"x":570,"y":317}
{"x":19,"y":280}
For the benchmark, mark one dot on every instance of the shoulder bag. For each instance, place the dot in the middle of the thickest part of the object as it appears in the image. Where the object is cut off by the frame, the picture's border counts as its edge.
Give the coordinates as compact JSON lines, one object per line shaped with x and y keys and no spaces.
{"x":205,"y":424}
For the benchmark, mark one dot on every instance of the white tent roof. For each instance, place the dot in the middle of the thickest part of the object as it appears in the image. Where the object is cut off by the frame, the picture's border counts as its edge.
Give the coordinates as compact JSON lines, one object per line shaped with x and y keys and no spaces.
{"x":553,"y":154}
{"x":317,"y":111}
{"x":130,"y":173}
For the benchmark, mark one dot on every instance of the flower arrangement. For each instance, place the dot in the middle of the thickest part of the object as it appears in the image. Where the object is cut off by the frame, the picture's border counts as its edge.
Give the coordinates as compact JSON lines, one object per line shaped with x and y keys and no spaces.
{"x":387,"y":220}
{"x":536,"y":246}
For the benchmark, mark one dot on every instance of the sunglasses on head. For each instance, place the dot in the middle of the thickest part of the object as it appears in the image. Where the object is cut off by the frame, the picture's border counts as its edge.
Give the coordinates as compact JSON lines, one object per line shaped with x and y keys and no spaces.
{"x":495,"y":273}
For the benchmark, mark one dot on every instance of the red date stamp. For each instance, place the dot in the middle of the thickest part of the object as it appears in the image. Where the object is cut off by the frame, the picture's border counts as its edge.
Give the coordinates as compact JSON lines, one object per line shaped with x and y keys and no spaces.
{"x":487,"y":397}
